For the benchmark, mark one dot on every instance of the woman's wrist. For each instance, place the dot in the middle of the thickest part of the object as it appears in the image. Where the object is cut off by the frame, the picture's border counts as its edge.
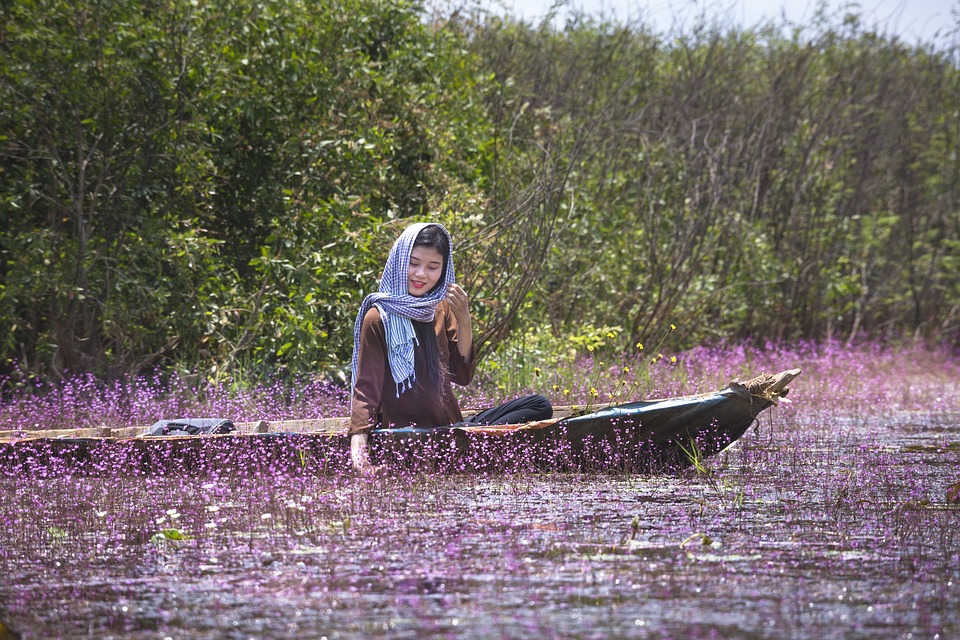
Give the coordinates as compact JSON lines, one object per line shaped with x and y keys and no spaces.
{"x":465,"y":338}
{"x":360,"y":451}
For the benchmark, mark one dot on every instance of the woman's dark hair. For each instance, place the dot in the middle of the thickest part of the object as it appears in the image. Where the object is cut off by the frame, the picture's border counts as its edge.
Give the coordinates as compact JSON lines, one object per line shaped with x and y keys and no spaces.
{"x":430,"y":369}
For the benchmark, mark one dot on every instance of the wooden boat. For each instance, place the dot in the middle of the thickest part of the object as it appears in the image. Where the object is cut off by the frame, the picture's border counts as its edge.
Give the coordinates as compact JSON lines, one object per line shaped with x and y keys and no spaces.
{"x":647,"y":436}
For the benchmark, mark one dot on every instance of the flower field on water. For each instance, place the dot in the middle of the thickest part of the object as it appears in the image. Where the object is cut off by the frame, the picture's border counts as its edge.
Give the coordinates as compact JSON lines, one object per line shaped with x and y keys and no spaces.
{"x":833,"y":518}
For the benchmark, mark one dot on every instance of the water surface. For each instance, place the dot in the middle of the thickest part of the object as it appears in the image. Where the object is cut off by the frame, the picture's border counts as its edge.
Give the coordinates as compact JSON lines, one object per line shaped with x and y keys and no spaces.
{"x":810,"y":527}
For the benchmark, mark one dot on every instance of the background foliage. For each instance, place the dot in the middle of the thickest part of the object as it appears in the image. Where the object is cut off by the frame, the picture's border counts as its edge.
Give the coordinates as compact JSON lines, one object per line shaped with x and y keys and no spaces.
{"x":747,"y":184}
{"x":213,"y":185}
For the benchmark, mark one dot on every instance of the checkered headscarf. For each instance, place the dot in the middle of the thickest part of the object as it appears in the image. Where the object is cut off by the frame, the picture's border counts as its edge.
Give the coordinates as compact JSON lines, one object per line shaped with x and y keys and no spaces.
{"x":397,"y":308}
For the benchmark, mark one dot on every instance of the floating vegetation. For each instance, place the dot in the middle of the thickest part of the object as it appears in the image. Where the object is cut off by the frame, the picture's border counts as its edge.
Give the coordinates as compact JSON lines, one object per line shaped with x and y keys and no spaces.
{"x":830,"y":519}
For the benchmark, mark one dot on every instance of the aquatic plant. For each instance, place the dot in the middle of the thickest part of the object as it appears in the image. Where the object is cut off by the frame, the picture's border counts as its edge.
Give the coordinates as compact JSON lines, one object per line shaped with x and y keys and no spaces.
{"x":84,"y":401}
{"x":829,"y":519}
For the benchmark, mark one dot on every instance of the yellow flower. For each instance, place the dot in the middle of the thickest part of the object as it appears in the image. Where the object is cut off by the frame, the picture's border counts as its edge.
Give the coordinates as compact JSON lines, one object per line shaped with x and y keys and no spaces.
{"x":673,"y":359}
{"x":659,"y":356}
{"x":639,"y":346}
{"x":590,"y":348}
{"x":594,"y":393}
{"x":556,"y":387}
{"x":566,"y":392}
{"x":536,"y":371}
{"x":611,"y":335}
{"x":626,"y":369}
{"x":673,"y":327}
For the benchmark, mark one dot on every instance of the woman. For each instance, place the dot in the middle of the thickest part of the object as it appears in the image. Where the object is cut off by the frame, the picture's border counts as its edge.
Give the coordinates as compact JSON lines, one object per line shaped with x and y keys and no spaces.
{"x":411,"y":340}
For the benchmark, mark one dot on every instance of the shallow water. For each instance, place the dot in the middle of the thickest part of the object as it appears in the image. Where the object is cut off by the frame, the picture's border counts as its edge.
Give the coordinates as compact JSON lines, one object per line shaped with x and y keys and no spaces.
{"x":806,"y":528}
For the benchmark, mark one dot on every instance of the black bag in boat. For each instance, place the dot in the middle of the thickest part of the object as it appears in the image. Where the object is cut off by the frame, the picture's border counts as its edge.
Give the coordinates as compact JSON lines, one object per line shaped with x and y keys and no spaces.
{"x":190,"y":427}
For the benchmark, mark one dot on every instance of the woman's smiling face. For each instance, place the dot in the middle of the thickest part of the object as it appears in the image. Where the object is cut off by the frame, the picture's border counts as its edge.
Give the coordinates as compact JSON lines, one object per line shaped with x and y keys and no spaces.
{"x":423,"y":274}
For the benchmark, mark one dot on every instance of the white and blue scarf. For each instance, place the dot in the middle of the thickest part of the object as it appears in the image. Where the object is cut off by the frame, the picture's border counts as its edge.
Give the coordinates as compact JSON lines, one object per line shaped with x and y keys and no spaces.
{"x":398,"y":308}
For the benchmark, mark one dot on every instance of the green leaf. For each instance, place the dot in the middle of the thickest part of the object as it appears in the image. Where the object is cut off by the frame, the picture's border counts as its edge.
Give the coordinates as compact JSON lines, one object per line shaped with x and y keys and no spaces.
{"x":168,"y":535}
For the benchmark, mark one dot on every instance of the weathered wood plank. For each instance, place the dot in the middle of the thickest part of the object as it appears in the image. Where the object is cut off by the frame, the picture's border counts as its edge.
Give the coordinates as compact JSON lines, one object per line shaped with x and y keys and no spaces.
{"x":324,"y":426}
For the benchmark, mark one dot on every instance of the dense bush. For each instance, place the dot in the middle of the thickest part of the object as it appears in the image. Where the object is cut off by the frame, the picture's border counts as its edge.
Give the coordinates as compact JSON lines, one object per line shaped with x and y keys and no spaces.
{"x":213,"y":185}
{"x":204,"y":183}
{"x":747,"y":184}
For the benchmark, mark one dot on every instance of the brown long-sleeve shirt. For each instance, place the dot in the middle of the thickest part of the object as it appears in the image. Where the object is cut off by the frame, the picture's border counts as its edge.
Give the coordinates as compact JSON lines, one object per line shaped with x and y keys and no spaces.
{"x":375,"y":401}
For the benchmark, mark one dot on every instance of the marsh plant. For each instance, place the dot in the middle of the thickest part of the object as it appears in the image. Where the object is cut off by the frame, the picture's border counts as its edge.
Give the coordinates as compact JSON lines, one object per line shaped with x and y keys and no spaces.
{"x":829,"y":518}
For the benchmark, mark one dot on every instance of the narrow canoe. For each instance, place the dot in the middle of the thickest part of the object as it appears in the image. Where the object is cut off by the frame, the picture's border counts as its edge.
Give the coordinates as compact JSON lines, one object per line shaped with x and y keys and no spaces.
{"x":649,"y":436}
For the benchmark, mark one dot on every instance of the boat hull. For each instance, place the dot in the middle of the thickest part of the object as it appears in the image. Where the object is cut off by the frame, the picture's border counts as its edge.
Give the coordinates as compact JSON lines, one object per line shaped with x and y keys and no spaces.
{"x":642,"y":437}
{"x":645,"y":437}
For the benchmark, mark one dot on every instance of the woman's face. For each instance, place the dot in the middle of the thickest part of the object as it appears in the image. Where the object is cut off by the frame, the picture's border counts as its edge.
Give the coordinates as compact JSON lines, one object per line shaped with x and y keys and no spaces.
{"x":426,"y":267}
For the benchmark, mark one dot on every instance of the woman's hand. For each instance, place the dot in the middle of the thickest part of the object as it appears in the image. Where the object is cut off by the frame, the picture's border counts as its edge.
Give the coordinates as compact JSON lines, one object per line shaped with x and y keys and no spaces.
{"x":460,"y":305}
{"x":360,"y":455}
{"x":360,"y":452}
